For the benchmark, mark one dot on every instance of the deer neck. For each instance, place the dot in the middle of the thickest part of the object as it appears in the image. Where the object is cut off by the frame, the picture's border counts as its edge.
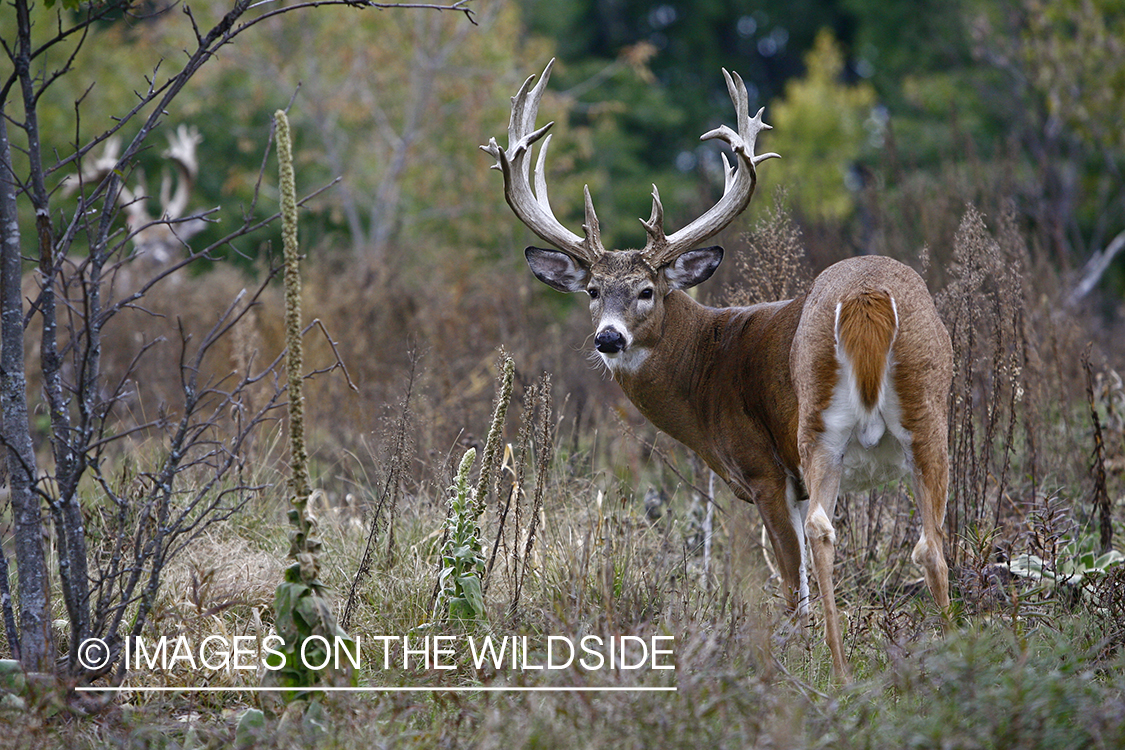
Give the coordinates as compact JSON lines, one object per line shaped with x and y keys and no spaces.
{"x":707,"y":358}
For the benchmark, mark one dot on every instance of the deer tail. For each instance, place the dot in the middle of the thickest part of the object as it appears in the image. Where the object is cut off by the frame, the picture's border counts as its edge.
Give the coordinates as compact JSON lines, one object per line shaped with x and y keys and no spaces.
{"x":866,"y":326}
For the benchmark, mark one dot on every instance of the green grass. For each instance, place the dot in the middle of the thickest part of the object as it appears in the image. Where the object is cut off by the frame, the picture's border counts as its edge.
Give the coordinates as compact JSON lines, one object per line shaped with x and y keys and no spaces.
{"x":1022,"y":672}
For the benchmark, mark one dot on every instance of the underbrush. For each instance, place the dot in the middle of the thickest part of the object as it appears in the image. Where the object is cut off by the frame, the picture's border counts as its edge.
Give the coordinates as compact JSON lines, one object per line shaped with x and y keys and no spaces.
{"x":1027,"y":664}
{"x":593,"y":525}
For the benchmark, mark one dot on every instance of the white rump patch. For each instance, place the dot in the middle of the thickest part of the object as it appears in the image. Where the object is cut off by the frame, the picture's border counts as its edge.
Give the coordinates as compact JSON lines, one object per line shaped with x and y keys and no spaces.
{"x":871,"y":445}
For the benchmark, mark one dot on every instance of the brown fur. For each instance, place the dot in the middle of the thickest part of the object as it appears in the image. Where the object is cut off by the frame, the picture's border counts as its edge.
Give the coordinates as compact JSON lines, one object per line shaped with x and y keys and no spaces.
{"x":746,"y":388}
{"x":866,"y":328}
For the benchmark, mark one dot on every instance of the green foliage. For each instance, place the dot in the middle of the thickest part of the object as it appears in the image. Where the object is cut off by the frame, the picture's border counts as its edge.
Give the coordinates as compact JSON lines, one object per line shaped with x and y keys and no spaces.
{"x":303,"y":618}
{"x":646,"y":74}
{"x":462,"y":556}
{"x":250,"y":729}
{"x":1073,"y":50}
{"x":460,"y":581}
{"x":1072,"y":568}
{"x":983,"y":690}
{"x":763,"y":40}
{"x":821,"y":131}
{"x":396,"y":120}
{"x":1071,"y":54}
{"x":918,"y":38}
{"x":73,"y":4}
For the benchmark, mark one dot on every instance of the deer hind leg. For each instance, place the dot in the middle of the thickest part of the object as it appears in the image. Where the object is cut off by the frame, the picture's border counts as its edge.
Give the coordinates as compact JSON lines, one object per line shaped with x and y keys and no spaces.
{"x":931,"y":481}
{"x":822,"y":478}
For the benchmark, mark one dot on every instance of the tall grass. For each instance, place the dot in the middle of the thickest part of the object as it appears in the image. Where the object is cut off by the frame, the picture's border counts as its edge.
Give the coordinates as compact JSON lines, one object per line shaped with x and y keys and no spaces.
{"x":570,"y":550}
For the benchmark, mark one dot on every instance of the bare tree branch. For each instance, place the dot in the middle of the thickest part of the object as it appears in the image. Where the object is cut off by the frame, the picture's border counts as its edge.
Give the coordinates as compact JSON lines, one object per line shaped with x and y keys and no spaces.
{"x":1095,"y":268}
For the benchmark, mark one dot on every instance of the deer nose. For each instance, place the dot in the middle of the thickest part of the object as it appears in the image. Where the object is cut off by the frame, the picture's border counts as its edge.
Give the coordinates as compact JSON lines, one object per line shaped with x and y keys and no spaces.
{"x":609,"y":341}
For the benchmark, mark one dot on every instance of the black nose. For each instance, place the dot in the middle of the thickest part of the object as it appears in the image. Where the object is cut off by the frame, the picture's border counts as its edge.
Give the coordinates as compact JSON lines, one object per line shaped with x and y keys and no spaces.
{"x":609,"y":341}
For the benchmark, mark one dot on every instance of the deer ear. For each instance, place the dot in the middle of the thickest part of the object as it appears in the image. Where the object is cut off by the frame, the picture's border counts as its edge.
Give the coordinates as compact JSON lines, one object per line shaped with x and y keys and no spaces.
{"x":556,"y":269}
{"x":693,"y":267}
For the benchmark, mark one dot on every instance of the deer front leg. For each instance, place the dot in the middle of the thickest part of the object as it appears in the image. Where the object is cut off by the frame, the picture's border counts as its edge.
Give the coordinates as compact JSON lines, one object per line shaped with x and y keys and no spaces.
{"x":822,"y":478}
{"x":783,"y":515}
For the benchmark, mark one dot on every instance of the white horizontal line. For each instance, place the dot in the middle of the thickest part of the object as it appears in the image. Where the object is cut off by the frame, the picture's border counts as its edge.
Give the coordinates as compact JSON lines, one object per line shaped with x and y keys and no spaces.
{"x":376,"y":689}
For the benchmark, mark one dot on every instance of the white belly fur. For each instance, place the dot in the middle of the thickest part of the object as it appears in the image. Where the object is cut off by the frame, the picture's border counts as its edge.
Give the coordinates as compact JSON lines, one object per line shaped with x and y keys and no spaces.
{"x":871,"y":447}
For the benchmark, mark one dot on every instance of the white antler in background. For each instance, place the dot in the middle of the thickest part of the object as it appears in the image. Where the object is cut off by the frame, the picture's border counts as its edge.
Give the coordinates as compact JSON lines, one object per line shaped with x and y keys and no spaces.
{"x":159,"y":240}
{"x":181,"y":152}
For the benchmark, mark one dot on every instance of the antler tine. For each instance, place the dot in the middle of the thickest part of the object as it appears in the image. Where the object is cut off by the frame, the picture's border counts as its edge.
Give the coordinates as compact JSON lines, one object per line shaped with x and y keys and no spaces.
{"x":525,"y":108}
{"x":533,"y":207}
{"x":541,"y":176}
{"x":728,"y":172}
{"x":182,"y":148}
{"x":655,"y":224}
{"x":182,"y":153}
{"x":94,"y":170}
{"x":739,"y":182}
{"x":591,"y":228}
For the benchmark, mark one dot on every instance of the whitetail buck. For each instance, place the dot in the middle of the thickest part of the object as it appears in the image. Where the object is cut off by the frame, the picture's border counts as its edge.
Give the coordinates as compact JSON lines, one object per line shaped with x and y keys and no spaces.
{"x":841,"y":389}
{"x":158,"y":241}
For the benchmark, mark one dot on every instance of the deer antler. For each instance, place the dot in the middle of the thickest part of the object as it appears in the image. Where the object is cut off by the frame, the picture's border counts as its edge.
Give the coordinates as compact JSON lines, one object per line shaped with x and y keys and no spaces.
{"x":156,"y":239}
{"x":181,"y":152}
{"x":94,"y":170}
{"x":738,"y":188}
{"x":533,"y":206}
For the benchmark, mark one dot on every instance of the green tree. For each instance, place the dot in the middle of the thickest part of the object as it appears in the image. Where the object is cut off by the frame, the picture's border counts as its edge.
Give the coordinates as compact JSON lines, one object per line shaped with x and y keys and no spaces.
{"x":644,"y":122}
{"x":396,"y":122}
{"x":1062,"y":85}
{"x":823,"y":125}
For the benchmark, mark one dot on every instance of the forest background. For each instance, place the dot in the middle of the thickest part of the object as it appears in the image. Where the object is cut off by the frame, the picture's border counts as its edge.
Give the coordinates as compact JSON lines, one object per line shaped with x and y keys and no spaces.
{"x":891,"y":118}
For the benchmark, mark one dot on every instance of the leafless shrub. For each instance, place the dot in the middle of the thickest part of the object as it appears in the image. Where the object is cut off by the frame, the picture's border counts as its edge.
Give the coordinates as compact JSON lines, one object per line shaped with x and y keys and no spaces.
{"x":1100,"y":498}
{"x":1105,"y":603}
{"x":985,"y":309}
{"x":773,"y":265}
{"x":538,"y":444}
{"x":397,"y":453}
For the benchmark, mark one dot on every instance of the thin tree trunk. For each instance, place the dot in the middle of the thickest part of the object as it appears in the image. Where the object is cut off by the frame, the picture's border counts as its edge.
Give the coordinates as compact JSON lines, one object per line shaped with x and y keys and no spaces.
{"x":70,"y":531}
{"x":708,"y":530}
{"x":1095,"y":268}
{"x":35,"y":646}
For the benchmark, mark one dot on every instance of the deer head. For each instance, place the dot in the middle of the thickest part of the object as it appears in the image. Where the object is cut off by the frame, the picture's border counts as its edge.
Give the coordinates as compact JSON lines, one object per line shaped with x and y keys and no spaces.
{"x":626,"y":287}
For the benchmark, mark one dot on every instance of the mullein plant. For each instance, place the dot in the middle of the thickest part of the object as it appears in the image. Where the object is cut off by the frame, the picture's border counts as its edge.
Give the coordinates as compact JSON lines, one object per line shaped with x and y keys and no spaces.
{"x":462,"y":557}
{"x":301,"y":607}
{"x":460,"y":592}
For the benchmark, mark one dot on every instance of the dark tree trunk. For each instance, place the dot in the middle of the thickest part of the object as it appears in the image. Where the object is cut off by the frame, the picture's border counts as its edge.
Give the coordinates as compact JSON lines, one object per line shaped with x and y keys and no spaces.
{"x":35,"y":646}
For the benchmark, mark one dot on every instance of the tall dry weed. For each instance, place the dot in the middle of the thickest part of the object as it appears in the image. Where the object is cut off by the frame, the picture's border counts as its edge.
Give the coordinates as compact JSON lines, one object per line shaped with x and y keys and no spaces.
{"x":772,"y":265}
{"x":984,"y":306}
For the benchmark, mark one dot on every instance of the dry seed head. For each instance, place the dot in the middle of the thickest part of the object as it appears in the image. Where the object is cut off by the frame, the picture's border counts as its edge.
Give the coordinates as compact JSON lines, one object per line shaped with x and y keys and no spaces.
{"x":493,"y":442}
{"x":774,"y":265}
{"x":298,"y":453}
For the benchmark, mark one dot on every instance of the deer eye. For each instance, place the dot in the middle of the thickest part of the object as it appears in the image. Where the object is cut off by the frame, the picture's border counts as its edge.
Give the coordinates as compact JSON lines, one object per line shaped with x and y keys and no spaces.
{"x":593,"y":292}
{"x":645,"y":294}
